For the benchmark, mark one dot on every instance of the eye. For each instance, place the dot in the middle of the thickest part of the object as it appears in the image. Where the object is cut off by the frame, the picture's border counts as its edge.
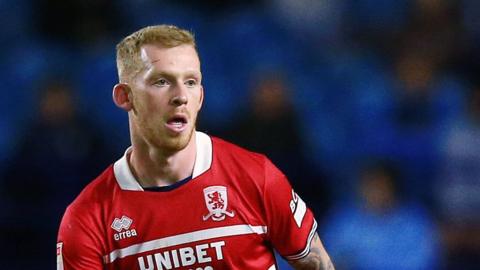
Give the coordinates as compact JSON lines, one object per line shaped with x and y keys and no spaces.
{"x":191,"y":83}
{"x":161,"y":82}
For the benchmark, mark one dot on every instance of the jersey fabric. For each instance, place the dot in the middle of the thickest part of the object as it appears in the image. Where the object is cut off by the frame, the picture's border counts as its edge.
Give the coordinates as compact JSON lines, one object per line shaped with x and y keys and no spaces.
{"x":234,"y":211}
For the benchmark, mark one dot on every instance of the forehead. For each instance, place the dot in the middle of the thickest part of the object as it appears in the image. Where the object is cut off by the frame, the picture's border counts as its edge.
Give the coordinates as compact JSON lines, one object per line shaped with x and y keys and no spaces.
{"x":183,"y":57}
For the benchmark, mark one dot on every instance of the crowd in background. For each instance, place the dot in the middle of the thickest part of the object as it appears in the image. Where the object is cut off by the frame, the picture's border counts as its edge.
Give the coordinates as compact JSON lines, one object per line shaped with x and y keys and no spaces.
{"x":370,"y":107}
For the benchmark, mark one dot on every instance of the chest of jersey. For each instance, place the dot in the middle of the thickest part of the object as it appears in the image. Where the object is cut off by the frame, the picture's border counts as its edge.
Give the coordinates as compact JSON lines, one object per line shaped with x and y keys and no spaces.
{"x":215,"y":221}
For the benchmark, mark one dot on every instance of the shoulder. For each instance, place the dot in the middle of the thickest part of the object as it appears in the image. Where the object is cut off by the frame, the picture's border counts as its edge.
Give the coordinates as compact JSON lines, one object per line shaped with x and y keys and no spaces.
{"x":95,"y":194}
{"x":248,"y":164}
{"x":81,"y":231}
{"x":227,"y":150}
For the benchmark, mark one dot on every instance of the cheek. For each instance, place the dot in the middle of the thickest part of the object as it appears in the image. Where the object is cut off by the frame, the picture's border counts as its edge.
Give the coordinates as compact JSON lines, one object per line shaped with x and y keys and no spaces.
{"x":145,"y":108}
{"x":199,"y":100}
{"x":150,"y":101}
{"x":196,"y":105}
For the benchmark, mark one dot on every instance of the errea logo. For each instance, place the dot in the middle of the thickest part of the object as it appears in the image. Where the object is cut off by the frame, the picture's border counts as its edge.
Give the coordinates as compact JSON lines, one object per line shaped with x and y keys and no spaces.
{"x":122,"y":226}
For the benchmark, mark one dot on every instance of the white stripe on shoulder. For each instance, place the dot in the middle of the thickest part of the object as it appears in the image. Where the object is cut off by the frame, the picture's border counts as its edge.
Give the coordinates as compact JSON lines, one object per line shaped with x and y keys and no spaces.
{"x":185,"y":238}
{"x":306,"y":250}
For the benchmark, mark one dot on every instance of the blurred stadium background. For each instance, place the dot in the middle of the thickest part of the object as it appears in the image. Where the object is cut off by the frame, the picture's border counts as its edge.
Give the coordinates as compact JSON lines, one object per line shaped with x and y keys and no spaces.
{"x":371,"y":107}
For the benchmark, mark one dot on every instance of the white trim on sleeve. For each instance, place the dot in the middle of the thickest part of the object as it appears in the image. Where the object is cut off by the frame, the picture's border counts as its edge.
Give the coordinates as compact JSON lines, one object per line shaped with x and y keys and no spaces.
{"x":306,"y":250}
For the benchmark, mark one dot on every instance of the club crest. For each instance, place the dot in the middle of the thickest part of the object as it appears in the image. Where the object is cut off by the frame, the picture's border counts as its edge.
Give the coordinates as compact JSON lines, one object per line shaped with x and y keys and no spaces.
{"x":216,"y":200}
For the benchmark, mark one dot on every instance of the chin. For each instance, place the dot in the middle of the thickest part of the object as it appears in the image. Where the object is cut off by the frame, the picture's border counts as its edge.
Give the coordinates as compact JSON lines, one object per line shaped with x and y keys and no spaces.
{"x":175,"y":144}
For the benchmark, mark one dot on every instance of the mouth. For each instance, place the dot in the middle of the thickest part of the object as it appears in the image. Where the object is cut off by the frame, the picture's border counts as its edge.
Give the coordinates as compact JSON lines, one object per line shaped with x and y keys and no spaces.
{"x":177,"y":123}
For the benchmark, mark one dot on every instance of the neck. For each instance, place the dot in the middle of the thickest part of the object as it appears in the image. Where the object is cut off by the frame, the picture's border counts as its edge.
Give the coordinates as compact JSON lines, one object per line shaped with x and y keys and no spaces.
{"x":155,"y":167}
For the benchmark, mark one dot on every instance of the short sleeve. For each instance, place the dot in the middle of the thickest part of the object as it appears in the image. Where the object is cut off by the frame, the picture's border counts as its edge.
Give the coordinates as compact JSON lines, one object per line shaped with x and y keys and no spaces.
{"x":77,"y":247}
{"x":291,"y":225}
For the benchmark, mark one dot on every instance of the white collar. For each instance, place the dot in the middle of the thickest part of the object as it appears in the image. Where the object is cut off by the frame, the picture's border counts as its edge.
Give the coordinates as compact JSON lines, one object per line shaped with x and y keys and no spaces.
{"x":203,"y":161}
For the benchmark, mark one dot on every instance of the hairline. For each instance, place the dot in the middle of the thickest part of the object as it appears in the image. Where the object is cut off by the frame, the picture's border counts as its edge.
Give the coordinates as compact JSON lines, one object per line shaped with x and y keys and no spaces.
{"x":143,"y":67}
{"x":129,"y":50}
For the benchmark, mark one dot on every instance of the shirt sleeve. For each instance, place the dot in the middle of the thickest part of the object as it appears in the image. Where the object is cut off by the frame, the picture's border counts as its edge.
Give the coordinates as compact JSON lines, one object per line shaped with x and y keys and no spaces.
{"x":291,"y":225}
{"x":77,"y":246}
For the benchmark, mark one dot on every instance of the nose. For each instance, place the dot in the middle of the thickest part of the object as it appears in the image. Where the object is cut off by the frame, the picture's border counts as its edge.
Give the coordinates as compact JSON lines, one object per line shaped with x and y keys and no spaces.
{"x":179,"y":97}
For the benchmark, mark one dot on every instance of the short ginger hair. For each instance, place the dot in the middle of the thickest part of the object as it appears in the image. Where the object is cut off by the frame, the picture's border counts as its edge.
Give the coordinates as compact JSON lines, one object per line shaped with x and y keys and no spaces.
{"x":128,"y":50}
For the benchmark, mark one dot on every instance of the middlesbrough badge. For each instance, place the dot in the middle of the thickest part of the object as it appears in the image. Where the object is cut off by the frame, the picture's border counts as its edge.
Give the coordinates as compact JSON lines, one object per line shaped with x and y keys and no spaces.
{"x":216,"y":200}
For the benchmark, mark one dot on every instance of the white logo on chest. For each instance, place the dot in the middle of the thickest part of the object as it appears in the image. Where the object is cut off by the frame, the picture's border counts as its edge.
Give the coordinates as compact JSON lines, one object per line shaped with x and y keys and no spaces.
{"x":122,"y":226}
{"x":216,"y":200}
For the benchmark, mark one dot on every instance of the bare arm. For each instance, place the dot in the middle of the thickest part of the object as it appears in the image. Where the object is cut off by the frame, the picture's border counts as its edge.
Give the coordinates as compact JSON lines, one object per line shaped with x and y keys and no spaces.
{"x":317,"y":258}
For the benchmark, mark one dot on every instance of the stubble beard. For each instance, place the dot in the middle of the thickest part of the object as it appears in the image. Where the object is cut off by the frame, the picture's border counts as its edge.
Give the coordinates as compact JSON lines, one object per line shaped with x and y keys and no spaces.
{"x":156,"y":136}
{"x":177,"y":143}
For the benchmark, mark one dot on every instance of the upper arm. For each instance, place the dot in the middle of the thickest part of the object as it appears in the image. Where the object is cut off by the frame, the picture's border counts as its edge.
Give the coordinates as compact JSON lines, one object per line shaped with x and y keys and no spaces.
{"x":291,"y":225}
{"x":77,"y":245}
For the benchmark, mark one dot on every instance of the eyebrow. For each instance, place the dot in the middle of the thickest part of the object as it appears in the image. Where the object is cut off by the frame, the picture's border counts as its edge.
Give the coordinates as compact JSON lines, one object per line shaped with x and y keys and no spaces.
{"x":170,"y":76}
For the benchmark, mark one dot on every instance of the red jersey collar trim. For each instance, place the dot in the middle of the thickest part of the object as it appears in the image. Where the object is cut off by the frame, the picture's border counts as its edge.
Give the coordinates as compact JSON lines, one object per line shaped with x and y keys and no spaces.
{"x":203,"y":162}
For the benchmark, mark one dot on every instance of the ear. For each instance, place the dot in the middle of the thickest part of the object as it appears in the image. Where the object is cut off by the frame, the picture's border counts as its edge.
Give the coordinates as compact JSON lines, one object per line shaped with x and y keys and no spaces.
{"x":122,"y":96}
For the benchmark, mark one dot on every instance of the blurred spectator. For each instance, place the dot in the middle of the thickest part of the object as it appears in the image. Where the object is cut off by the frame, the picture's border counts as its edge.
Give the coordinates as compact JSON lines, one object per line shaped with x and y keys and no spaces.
{"x":59,"y":154}
{"x":434,"y":27}
{"x":416,"y":73}
{"x":458,"y":189}
{"x":426,"y":98}
{"x":270,"y":126}
{"x":401,"y":114}
{"x":380,"y":230}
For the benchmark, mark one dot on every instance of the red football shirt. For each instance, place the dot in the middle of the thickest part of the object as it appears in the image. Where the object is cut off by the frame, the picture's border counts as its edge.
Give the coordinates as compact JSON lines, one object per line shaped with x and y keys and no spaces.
{"x":234,"y":211}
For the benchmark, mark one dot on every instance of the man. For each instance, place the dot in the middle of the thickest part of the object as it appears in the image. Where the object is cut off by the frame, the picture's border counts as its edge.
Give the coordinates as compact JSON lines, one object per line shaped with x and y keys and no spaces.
{"x":178,"y":198}
{"x":380,"y":230}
